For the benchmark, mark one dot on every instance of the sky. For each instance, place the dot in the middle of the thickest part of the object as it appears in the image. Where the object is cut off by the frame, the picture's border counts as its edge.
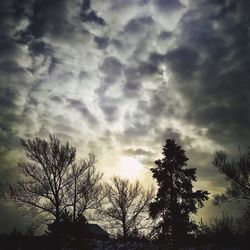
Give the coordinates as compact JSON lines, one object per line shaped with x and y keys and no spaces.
{"x":119,"y":77}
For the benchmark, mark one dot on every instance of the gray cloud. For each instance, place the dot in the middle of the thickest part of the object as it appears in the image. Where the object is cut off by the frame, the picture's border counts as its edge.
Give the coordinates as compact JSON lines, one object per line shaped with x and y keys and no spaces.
{"x":89,"y":15}
{"x":216,"y":86}
{"x":111,"y":66}
{"x":40,"y":48}
{"x":168,"y":5}
{"x":56,"y":99}
{"x":136,"y":26}
{"x":137,"y":152}
{"x":102,"y":42}
{"x":183,"y":61}
{"x":131,"y":89}
{"x":110,"y":111}
{"x":135,"y":131}
{"x":81,"y":107}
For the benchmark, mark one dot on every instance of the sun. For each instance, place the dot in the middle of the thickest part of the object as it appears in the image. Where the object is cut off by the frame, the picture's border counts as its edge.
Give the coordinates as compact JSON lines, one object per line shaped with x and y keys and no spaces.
{"x":131,"y":167}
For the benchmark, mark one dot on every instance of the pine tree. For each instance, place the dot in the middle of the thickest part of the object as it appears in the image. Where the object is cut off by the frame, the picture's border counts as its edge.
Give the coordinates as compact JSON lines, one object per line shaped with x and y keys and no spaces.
{"x":175,"y":200}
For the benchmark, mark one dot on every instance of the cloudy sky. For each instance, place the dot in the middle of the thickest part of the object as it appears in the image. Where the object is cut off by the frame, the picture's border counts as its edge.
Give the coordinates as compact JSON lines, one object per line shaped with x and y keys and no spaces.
{"x":118,"y":77}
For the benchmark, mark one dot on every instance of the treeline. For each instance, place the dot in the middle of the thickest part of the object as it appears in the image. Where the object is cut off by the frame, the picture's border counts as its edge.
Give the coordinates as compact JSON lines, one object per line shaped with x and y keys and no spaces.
{"x":225,"y":231}
{"x":68,"y":193}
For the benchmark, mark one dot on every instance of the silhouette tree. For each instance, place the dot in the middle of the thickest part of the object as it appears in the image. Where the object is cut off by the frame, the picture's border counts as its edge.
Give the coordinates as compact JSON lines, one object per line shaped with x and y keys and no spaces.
{"x":175,"y":200}
{"x":226,"y":231}
{"x":237,"y":172}
{"x":126,"y":205}
{"x":52,"y":180}
{"x":220,"y":231}
{"x":2,"y":190}
{"x":243,"y":227}
{"x":68,"y":232}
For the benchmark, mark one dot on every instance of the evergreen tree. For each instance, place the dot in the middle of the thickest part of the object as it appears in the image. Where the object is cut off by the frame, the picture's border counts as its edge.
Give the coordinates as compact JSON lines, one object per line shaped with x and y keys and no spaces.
{"x":175,"y":200}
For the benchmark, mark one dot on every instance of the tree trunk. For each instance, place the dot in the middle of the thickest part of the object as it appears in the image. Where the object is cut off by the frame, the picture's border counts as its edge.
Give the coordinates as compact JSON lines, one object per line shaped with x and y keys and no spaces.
{"x":57,"y":207}
{"x":74,"y":202}
{"x":124,"y":228}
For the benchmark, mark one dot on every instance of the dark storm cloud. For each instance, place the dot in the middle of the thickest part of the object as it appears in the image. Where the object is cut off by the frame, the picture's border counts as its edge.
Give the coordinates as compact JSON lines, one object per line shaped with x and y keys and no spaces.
{"x":156,"y":58}
{"x":47,"y":16}
{"x":10,"y":16}
{"x":8,"y":48}
{"x":89,"y":15}
{"x":92,"y":17}
{"x":14,"y":84}
{"x":51,"y":17}
{"x":212,"y":71}
{"x":40,"y":48}
{"x":183,"y":61}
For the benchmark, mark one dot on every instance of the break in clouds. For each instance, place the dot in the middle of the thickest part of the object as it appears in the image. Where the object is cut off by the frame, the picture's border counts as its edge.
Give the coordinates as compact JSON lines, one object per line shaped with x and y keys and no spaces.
{"x":119,"y":77}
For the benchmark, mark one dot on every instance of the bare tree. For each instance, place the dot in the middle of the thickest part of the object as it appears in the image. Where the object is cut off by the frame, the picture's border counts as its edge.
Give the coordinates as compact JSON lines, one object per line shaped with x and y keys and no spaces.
{"x":51,"y":176}
{"x":127,"y":204}
{"x":237,"y":172}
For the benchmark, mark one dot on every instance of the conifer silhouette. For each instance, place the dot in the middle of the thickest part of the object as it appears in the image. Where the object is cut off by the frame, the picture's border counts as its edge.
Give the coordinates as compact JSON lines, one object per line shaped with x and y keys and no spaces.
{"x":175,"y":200}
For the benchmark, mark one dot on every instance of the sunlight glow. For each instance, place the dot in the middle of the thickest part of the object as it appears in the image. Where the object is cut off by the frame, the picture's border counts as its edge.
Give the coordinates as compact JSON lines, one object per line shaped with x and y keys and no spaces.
{"x":131,"y":167}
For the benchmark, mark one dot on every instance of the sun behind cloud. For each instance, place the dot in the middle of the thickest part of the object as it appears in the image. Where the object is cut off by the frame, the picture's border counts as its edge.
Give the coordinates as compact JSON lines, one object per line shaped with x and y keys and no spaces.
{"x":131,"y":168}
